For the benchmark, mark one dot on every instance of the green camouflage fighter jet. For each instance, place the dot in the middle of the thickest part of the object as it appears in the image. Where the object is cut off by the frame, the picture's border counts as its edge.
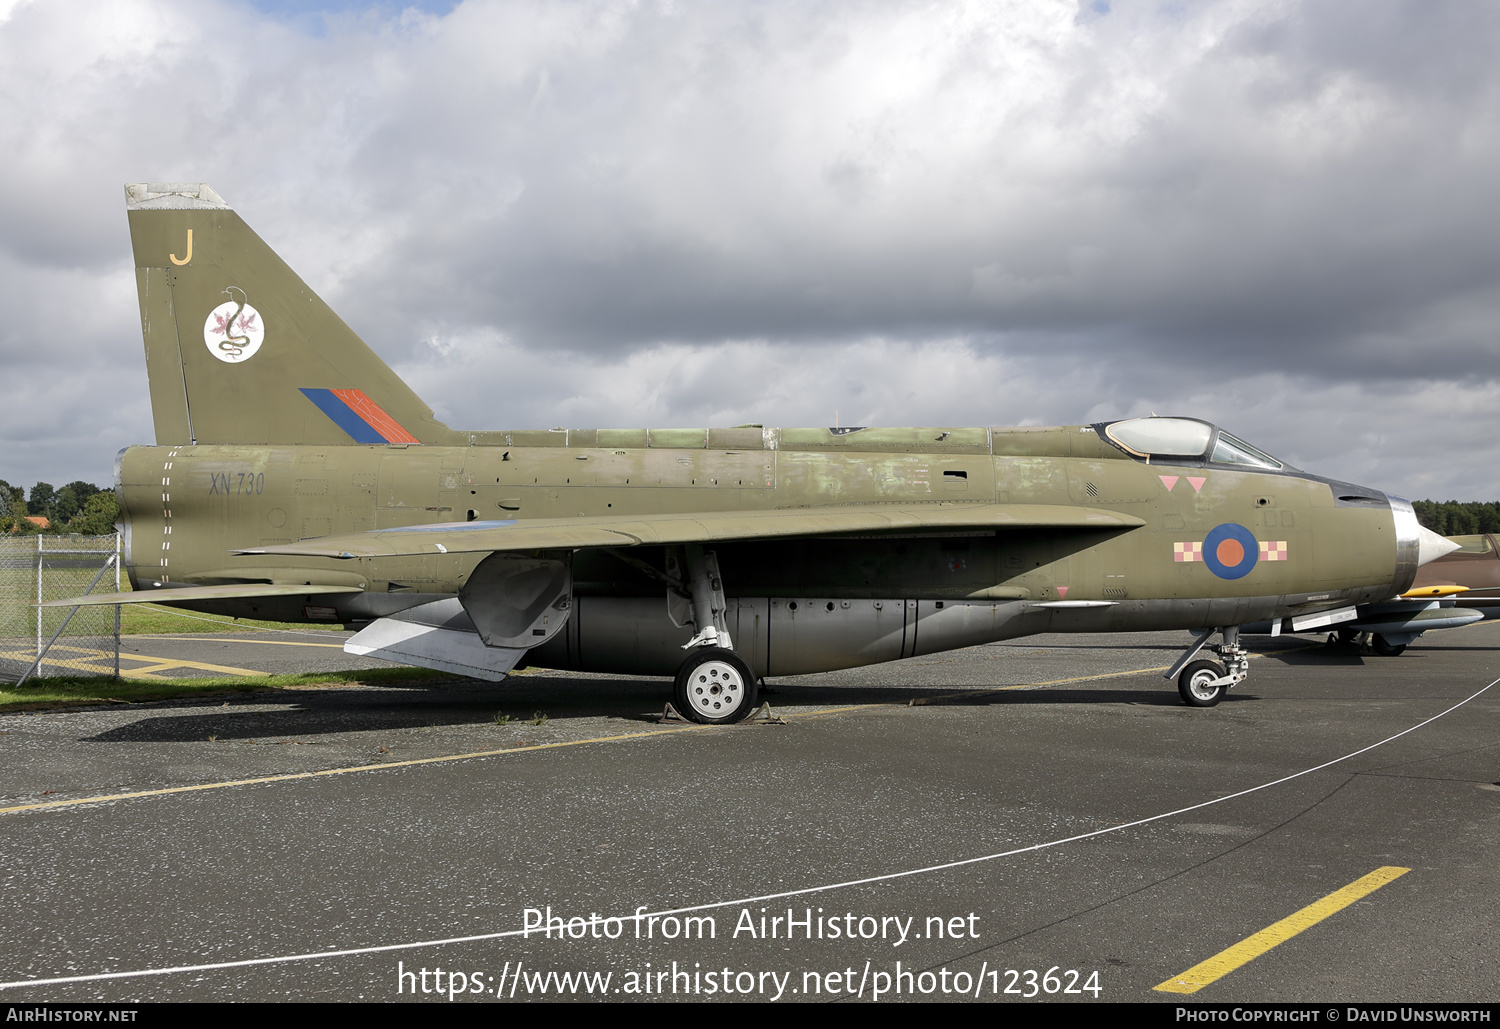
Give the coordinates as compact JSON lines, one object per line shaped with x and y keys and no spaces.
{"x":295,"y":477}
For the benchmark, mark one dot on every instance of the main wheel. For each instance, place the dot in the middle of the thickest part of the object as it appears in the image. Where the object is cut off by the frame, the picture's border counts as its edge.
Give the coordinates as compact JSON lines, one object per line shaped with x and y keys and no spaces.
{"x":1384,"y":647}
{"x":1195,"y":684}
{"x":715,"y":686}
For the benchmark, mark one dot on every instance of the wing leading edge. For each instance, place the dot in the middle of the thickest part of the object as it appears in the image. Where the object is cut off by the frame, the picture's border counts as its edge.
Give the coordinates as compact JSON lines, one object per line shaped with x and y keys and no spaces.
{"x":701,"y":527}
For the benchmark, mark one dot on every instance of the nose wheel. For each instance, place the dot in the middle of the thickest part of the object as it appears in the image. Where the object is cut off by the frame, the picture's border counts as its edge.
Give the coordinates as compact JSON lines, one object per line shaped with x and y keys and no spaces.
{"x":1200,"y":684}
{"x":1204,"y":683}
{"x":715,"y":686}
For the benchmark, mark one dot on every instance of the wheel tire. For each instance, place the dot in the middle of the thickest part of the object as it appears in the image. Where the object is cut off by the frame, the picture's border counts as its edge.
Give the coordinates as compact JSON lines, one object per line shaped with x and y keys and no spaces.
{"x":715,"y":686}
{"x":1385,"y":648}
{"x":1348,"y":636}
{"x":1192,"y":684}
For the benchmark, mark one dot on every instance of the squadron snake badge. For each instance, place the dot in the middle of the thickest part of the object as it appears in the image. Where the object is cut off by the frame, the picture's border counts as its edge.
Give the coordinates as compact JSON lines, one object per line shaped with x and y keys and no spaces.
{"x":233,"y":331}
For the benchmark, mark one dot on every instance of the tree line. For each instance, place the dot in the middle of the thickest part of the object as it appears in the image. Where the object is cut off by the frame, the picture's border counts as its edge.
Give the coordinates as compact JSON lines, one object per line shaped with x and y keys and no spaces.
{"x":79,"y":507}
{"x":1453,"y":518}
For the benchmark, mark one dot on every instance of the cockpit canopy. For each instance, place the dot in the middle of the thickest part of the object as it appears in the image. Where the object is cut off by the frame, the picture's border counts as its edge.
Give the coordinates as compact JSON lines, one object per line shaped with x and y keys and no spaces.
{"x":1185,"y":440}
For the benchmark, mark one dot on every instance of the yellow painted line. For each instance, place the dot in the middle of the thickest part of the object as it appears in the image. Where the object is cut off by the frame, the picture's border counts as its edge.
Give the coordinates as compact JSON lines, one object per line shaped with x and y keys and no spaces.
{"x":152,"y":664}
{"x":149,"y":668}
{"x":1032,"y":685}
{"x":160,"y":663}
{"x":102,"y":662}
{"x":19,"y":655}
{"x":1252,"y":947}
{"x":151,"y":672}
{"x":340,"y":771}
{"x":838,"y":710}
{"x":82,"y":664}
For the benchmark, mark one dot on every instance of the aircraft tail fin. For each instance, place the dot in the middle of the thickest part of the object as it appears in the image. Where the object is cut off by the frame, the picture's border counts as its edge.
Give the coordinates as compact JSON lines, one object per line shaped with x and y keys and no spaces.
{"x":240,"y":350}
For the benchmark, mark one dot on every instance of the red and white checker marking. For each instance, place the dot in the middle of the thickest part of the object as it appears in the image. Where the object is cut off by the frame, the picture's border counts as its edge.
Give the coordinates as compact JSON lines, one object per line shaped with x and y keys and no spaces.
{"x":1270,"y":551}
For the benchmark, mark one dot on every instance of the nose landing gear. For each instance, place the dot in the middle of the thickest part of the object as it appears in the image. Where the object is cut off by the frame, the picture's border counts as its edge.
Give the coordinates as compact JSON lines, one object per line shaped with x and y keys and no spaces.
{"x":1204,"y":683}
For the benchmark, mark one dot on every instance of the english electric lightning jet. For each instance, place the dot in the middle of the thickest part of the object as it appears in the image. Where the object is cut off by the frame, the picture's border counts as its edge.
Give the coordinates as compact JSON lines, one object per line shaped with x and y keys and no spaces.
{"x":295,"y":477}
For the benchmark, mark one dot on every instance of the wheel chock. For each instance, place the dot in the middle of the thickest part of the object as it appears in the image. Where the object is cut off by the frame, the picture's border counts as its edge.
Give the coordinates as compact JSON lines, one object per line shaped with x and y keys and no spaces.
{"x":669,"y":714}
{"x":763,"y":716}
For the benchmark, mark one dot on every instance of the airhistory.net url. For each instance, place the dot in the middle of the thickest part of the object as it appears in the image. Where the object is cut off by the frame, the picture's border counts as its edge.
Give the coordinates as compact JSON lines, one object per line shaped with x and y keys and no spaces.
{"x":515,"y":981}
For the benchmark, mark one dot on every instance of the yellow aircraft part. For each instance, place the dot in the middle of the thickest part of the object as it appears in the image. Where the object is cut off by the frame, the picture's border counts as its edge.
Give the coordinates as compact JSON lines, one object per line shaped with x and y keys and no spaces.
{"x":1433,"y":591}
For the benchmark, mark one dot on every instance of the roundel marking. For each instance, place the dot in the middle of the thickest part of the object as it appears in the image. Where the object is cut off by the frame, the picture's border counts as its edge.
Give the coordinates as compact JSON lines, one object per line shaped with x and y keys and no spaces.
{"x":233,"y":332}
{"x":1230,"y":550}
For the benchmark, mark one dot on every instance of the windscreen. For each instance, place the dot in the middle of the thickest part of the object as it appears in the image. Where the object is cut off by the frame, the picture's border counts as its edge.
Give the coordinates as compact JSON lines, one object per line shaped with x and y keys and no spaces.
{"x":1229,"y":450}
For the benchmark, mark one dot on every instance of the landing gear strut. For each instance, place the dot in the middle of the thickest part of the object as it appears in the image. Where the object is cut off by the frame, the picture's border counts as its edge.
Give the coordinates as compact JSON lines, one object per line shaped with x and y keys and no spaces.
{"x":714,"y":684}
{"x":1204,"y":683}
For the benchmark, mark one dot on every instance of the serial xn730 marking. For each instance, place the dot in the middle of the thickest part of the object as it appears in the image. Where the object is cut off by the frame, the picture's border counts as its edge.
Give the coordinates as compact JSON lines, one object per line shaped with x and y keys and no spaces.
{"x":239,"y":483}
{"x":717,"y":555}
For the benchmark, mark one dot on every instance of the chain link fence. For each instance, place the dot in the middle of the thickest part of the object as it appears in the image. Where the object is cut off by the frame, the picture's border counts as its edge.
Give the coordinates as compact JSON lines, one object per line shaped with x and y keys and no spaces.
{"x":83,"y":641}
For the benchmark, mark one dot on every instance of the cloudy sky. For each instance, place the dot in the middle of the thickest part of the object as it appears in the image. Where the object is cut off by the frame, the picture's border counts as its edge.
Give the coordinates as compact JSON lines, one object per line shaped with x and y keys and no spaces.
{"x":1279,"y":216}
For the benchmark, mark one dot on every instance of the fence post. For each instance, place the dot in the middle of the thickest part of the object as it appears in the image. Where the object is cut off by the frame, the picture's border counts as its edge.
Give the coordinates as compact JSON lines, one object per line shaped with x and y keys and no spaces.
{"x":117,"y":606}
{"x":39,"y":597}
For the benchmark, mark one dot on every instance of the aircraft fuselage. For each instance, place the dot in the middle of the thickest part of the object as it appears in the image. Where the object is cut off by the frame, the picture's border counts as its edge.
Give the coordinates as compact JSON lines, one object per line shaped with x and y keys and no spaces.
{"x":801,"y":605}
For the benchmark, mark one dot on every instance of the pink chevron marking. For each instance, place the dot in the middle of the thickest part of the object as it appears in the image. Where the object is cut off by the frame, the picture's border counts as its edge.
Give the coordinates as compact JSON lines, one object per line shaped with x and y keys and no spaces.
{"x":1197,"y":483}
{"x":1168,"y":481}
{"x":1062,"y":591}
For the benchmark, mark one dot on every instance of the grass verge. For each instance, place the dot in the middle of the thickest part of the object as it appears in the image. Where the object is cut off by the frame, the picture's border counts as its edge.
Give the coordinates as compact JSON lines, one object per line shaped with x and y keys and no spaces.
{"x":65,"y":691}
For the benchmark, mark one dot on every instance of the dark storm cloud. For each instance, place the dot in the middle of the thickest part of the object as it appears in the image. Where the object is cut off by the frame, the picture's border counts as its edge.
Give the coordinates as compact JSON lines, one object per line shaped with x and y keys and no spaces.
{"x":1276,"y":187}
{"x":1277,"y":215}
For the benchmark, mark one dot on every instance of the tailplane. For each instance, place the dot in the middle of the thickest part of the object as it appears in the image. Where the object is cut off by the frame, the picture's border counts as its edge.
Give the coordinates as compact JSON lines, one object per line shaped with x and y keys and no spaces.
{"x":240,"y":350}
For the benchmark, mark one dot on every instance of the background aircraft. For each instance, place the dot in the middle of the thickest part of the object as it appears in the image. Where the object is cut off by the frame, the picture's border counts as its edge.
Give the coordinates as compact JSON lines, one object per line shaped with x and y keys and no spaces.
{"x":296,"y":477}
{"x":1459,"y":588}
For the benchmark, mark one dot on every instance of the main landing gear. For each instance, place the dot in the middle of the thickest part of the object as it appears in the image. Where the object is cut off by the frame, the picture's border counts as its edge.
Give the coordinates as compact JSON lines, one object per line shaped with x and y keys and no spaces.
{"x":714,"y":684}
{"x":1380,"y":643}
{"x":1204,"y":683}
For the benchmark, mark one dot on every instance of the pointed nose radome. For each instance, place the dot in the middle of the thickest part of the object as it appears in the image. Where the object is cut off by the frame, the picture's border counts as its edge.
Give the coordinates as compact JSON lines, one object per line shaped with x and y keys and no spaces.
{"x":1431,"y":546}
{"x":1416,"y":545}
